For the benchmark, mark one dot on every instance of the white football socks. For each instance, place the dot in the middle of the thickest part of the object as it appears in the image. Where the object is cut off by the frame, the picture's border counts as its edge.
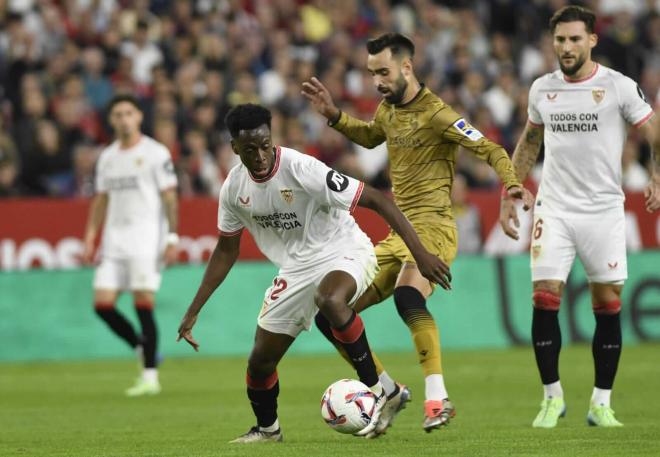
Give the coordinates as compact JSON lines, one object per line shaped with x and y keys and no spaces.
{"x":601,"y":397}
{"x":552,"y":390}
{"x":272,"y":428}
{"x":150,"y":375}
{"x":435,"y":387}
{"x":388,"y":383}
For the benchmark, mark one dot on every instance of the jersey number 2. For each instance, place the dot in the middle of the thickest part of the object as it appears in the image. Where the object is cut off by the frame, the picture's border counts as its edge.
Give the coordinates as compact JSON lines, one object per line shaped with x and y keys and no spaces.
{"x":279,"y":285}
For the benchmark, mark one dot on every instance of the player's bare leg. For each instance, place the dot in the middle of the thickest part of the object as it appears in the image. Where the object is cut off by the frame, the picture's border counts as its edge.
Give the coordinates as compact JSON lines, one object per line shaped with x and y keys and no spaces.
{"x":147,"y":383}
{"x":263,"y":385}
{"x":606,"y":349}
{"x":546,"y":338}
{"x":410,"y":294}
{"x":332,"y":298}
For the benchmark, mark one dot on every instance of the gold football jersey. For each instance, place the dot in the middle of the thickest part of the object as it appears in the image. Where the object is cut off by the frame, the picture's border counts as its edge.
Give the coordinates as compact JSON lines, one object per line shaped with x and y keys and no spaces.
{"x":423,"y":137}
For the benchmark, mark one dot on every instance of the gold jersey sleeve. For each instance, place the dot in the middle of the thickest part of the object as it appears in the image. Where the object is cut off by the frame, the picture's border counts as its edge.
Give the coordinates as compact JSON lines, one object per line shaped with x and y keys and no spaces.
{"x":422,"y":143}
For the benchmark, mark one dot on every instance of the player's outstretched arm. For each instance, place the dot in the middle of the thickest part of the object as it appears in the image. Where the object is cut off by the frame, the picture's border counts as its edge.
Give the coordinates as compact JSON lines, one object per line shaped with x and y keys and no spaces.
{"x":524,"y":157}
{"x":222,"y":260}
{"x":651,"y":132}
{"x":430,"y":266}
{"x":97,"y":211}
{"x":367,"y":134}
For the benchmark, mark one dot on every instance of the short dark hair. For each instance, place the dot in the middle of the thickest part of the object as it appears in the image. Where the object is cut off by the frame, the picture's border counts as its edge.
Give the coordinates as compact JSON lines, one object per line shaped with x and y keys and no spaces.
{"x":120,"y":98}
{"x":397,"y":43}
{"x":246,"y":117}
{"x":573,"y":13}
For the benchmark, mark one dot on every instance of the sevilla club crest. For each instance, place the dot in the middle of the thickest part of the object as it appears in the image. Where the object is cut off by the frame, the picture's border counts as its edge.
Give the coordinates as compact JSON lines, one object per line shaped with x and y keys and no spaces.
{"x":598,"y":95}
{"x":287,"y":195}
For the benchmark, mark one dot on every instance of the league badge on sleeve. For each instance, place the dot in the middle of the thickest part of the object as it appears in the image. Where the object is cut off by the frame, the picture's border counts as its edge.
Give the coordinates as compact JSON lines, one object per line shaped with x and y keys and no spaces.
{"x":336,"y":181}
{"x":467,"y":130}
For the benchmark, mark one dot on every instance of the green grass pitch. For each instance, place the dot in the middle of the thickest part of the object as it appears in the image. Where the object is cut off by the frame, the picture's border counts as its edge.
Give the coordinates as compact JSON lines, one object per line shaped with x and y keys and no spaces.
{"x":78,"y":409}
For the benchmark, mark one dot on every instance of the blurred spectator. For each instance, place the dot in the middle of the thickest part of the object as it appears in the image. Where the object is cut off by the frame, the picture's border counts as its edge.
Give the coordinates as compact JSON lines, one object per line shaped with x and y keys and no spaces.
{"x":47,"y":168}
{"x":467,"y":217}
{"x":98,"y":88}
{"x":84,"y":163}
{"x":143,"y":53}
{"x":9,"y":186}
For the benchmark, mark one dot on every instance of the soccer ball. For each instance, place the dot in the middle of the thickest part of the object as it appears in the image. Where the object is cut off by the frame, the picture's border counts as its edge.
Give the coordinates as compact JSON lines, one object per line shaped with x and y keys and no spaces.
{"x":347,"y":406}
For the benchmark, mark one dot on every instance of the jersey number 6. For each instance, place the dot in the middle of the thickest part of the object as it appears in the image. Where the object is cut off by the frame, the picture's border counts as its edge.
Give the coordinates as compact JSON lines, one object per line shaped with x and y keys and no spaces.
{"x":538,"y":229}
{"x":279,"y":285}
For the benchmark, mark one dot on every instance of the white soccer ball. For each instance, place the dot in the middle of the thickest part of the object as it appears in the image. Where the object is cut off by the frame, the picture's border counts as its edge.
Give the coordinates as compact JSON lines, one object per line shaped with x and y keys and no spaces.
{"x":347,"y":406}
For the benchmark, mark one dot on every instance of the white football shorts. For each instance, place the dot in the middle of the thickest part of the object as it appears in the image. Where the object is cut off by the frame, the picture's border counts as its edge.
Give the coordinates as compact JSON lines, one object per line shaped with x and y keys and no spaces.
{"x":599,"y":242}
{"x":128,"y":274}
{"x":289,"y":306}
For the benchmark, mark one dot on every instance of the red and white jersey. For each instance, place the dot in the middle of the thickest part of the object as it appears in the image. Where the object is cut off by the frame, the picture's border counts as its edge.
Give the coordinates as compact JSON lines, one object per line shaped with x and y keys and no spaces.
{"x":299,"y":215}
{"x":585,"y":127}
{"x":133,"y":178}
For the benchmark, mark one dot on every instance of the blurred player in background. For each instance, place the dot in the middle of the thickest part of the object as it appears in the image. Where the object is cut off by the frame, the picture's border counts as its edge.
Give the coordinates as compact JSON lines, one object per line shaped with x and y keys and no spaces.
{"x":298,"y":211}
{"x":580,"y":113}
{"x":423,"y":135}
{"x":136,"y":197}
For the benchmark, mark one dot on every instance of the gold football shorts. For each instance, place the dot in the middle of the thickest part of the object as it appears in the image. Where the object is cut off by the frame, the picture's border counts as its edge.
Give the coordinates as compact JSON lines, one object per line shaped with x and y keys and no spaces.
{"x":439,"y":238}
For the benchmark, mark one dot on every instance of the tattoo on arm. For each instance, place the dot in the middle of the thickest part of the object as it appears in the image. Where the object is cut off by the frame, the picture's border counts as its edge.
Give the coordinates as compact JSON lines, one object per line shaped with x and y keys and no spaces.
{"x":527,"y":151}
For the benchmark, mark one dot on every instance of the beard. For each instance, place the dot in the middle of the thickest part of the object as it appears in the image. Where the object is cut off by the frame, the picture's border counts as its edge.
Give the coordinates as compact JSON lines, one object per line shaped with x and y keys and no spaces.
{"x":398,"y":91}
{"x":571,"y":70}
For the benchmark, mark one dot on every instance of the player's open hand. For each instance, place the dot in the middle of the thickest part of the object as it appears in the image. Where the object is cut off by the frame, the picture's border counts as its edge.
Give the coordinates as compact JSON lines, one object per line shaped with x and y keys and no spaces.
{"x":314,"y":91}
{"x":509,"y":213}
{"x":652,"y":194}
{"x":185,"y":331}
{"x":434,"y":269}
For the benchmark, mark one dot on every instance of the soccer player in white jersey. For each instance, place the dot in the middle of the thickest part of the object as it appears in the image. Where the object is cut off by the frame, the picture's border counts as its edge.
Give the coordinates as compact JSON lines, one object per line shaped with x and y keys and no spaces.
{"x":136,"y":197}
{"x":298,"y":211}
{"x":580,"y":113}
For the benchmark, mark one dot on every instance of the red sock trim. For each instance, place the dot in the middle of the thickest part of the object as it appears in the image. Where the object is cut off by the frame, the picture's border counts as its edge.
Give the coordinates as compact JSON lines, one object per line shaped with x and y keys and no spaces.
{"x":104,"y":305}
{"x":144,"y":305}
{"x":610,"y":307}
{"x":261,"y":384}
{"x":352,"y":332}
{"x":546,"y":300}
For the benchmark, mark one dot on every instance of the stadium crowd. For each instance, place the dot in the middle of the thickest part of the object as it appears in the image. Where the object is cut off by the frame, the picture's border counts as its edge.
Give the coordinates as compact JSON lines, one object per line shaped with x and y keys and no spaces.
{"x":189,"y":62}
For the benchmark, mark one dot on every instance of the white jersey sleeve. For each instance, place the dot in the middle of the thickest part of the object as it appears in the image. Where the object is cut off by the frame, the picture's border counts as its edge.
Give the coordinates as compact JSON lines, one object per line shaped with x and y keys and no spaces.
{"x":533,"y":113}
{"x":164,"y":170}
{"x":327,"y":186}
{"x":228,"y":222}
{"x":100,"y":182}
{"x":634,"y":108}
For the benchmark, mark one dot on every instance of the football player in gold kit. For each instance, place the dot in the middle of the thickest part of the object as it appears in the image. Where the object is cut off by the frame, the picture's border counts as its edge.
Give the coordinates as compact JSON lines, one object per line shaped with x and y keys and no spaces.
{"x":423,"y":135}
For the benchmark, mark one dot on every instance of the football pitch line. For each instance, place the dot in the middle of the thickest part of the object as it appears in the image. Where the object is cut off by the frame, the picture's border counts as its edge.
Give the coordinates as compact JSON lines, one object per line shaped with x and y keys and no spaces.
{"x":78,"y":408}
